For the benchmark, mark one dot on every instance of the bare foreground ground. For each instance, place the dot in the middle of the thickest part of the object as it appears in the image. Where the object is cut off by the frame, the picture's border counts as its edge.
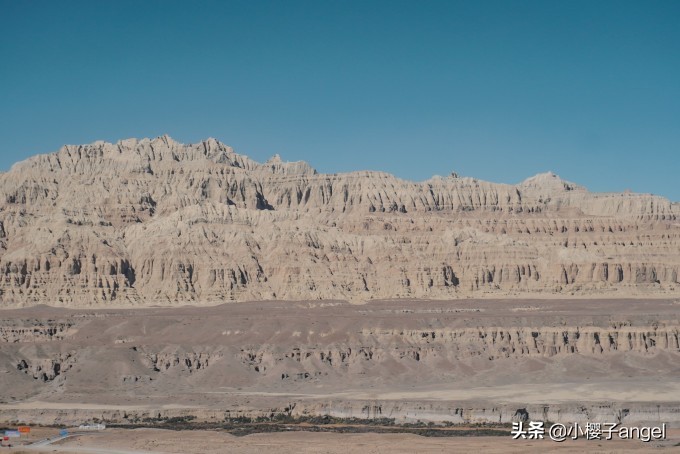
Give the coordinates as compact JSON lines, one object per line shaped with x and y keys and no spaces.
{"x":455,"y":364}
{"x":137,"y":441}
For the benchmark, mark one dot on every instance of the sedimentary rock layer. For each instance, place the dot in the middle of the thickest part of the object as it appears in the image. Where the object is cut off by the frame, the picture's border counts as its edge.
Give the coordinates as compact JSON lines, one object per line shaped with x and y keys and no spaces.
{"x":463,"y":361}
{"x":155,"y":221}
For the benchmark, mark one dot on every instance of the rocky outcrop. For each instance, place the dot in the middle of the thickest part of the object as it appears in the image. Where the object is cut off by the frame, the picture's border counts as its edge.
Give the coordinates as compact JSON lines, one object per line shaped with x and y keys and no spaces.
{"x":34,"y":331}
{"x":47,"y":369}
{"x":173,"y":362}
{"x":144,"y":222}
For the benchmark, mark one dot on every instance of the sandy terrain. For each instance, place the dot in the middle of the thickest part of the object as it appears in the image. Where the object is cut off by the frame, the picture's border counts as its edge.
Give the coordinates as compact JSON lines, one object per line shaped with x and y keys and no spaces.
{"x":162,"y":441}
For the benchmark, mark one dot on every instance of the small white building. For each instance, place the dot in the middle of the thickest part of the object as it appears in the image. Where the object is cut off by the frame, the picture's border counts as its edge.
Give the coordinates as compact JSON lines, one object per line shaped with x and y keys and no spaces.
{"x":92,"y":427}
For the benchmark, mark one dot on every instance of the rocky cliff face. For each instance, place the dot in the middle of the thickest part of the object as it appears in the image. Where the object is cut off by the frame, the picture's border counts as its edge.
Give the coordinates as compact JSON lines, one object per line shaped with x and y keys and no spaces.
{"x":154,"y":221}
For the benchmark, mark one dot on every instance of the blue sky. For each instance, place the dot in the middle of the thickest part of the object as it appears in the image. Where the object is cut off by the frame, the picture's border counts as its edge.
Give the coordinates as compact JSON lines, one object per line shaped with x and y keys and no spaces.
{"x":495,"y":90}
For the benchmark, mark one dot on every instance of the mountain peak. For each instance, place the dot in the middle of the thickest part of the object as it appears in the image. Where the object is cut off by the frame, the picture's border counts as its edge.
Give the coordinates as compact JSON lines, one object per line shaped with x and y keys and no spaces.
{"x":549,"y":180}
{"x":278,"y":165}
{"x":276,"y":159}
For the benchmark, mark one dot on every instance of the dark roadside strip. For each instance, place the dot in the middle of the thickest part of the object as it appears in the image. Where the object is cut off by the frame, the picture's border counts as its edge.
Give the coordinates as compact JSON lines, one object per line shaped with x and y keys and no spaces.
{"x":242,"y":426}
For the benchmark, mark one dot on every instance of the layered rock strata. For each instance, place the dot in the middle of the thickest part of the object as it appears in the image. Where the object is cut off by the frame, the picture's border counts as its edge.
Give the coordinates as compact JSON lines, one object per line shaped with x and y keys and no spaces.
{"x":143,"y":222}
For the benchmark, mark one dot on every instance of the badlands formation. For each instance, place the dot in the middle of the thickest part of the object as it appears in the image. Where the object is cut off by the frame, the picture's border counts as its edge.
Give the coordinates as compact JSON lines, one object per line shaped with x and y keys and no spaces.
{"x":483,"y":302}
{"x":149,"y":222}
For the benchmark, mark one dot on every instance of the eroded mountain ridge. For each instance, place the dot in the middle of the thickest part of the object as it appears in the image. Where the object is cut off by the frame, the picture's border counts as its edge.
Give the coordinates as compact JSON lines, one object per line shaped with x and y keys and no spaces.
{"x":144,"y":222}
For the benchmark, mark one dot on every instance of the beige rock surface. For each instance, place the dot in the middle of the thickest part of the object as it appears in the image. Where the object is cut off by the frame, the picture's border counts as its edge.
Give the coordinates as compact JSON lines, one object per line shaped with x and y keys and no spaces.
{"x":144,"y":222}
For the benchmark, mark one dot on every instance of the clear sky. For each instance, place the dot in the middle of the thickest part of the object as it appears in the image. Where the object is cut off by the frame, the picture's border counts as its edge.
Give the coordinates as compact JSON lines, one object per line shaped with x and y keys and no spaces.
{"x":495,"y":90}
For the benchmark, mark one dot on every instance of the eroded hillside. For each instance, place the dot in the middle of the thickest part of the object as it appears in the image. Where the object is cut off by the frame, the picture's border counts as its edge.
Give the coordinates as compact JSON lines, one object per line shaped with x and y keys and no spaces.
{"x":153,"y":221}
{"x":460,"y":361}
